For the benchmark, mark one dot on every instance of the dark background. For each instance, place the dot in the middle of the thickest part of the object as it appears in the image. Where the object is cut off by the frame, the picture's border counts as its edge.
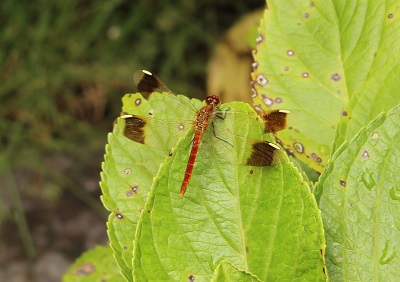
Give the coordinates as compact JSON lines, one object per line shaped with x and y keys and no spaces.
{"x":65,"y":66}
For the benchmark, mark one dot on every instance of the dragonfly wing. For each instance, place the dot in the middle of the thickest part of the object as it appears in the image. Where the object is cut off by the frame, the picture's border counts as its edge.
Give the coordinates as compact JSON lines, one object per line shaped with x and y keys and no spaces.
{"x":147,"y":83}
{"x":248,"y":150}
{"x":134,"y":127}
{"x":157,"y":122}
{"x":263,"y":153}
{"x":275,"y":120}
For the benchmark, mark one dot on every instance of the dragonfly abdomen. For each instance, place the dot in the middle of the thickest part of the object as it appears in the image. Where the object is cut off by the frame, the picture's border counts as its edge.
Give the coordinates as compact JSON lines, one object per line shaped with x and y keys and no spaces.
{"x":192,"y":158}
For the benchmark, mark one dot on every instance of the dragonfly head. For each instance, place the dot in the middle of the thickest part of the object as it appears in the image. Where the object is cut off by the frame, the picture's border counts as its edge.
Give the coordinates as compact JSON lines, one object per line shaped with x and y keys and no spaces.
{"x":212,"y":100}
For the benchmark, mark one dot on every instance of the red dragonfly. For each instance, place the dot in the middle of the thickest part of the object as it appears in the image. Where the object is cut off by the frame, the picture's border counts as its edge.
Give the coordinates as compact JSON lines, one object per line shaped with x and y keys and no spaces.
{"x":262,"y":154}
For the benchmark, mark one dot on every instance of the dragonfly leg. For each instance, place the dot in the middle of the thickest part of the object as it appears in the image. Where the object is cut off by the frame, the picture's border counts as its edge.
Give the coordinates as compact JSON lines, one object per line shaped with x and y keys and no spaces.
{"x":189,"y":143}
{"x":213,"y":127}
{"x":219,"y":114}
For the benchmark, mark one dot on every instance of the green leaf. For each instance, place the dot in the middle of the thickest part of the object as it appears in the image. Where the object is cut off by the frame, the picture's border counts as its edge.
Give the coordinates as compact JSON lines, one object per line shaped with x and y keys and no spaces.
{"x":264,"y":220}
{"x":359,"y":197}
{"x":372,"y":64}
{"x":323,"y":61}
{"x":97,"y":264}
{"x":228,"y":272}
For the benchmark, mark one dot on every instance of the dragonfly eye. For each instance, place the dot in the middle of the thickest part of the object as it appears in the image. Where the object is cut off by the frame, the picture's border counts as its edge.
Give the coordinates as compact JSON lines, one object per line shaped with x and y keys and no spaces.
{"x":212,"y":100}
{"x":216,"y":100}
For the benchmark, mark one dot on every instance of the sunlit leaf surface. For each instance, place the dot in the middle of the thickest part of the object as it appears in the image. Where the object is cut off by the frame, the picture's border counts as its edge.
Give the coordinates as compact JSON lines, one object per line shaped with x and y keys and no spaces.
{"x":333,"y":64}
{"x":228,"y":272}
{"x":359,"y":196}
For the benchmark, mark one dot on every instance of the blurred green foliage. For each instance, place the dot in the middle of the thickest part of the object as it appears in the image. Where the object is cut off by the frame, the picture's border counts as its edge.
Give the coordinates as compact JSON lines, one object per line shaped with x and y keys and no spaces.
{"x":65,"y":66}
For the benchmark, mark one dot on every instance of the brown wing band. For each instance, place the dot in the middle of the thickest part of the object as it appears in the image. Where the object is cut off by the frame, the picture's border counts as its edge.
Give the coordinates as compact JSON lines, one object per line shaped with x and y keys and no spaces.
{"x":275,"y":120}
{"x":262,"y":154}
{"x":133,"y":130}
{"x":147,"y":83}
